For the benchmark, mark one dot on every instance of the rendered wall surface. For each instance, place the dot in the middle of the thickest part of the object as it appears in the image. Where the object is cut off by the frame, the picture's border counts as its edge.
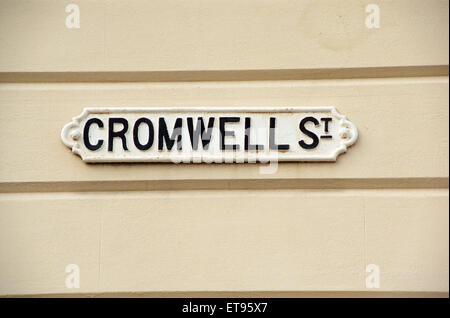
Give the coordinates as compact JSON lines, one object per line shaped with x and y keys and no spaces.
{"x":161,"y":228}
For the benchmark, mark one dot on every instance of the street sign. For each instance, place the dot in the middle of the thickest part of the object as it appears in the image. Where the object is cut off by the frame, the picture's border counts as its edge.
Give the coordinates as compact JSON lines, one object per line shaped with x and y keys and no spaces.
{"x":209,"y":134}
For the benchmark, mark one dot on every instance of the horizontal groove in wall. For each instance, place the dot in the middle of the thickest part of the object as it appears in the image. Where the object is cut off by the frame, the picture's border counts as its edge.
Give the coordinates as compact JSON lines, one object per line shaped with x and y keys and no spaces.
{"x":268,"y":294}
{"x":244,"y":184}
{"x":225,"y":75}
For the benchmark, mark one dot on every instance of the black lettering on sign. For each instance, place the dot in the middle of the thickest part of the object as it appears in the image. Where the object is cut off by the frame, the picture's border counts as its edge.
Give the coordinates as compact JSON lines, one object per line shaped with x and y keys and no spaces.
{"x":313,"y":136}
{"x":223,"y":132}
{"x":247,"y":144}
{"x":151,"y":133}
{"x":272,"y":144}
{"x":163,"y":134}
{"x":120,"y":134}
{"x":86,"y":141}
{"x":200,"y":132}
{"x":326,"y":120}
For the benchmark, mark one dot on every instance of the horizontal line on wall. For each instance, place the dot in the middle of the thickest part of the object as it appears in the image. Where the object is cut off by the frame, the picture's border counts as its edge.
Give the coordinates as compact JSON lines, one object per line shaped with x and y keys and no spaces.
{"x":222,"y":184}
{"x":250,"y":294}
{"x":225,"y":75}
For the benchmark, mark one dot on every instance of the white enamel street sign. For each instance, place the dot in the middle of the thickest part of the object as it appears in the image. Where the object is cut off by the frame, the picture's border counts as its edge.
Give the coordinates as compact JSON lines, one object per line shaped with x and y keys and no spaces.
{"x":209,"y":134}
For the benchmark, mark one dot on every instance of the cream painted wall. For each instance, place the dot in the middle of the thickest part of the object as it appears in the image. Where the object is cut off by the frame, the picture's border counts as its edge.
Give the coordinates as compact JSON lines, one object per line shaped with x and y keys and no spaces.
{"x":161,"y":228}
